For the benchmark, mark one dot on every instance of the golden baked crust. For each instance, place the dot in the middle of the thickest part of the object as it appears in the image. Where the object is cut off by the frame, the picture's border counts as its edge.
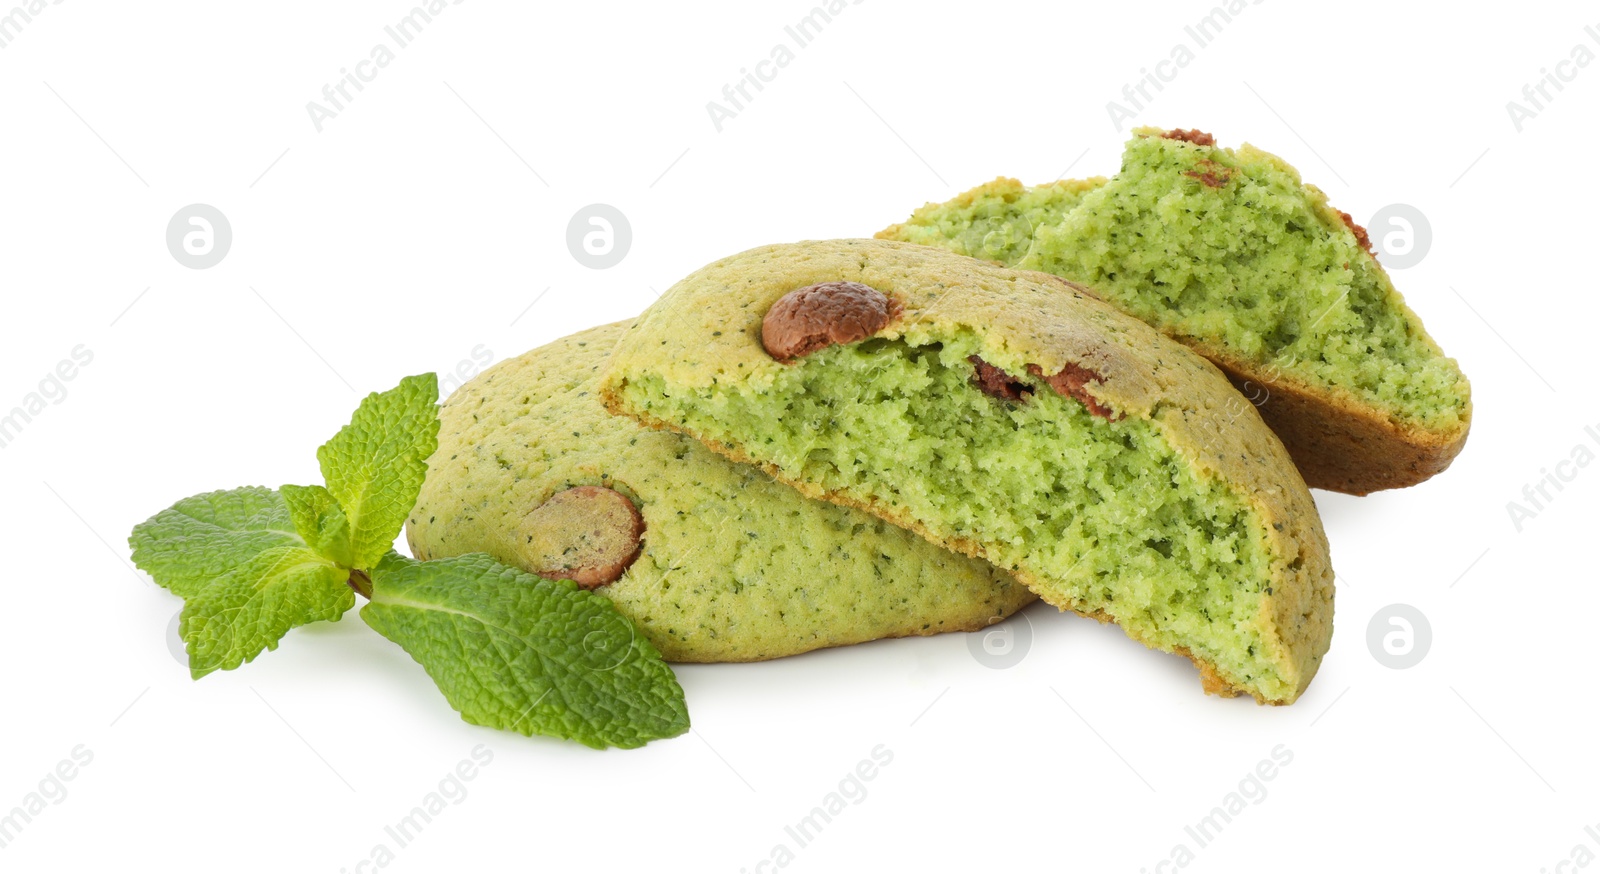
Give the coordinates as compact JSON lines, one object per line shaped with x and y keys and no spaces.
{"x":1338,"y":443}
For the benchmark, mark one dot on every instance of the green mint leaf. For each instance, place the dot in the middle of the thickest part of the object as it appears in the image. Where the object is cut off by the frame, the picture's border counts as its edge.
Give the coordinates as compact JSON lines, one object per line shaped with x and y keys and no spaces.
{"x":195,"y":541}
{"x":321,"y":522}
{"x":374,"y":466}
{"x":513,"y":651}
{"x":250,"y":608}
{"x":244,"y":571}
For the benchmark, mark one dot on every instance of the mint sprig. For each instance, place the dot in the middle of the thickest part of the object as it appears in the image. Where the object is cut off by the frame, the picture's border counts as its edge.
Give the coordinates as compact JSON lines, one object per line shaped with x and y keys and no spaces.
{"x":253,"y":563}
{"x":508,"y":650}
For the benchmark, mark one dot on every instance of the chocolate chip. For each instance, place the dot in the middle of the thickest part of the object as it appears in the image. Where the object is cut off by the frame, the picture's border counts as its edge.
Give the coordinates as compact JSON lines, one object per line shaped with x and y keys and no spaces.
{"x":1071,"y":382}
{"x":1198,"y":137}
{"x":1361,"y":233}
{"x":995,"y":382}
{"x":588,"y":534}
{"x":819,"y":316}
{"x":1212,"y":174}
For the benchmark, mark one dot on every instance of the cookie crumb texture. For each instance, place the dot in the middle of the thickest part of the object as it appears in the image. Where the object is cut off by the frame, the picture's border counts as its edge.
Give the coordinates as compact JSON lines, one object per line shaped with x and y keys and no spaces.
{"x":730,"y":565}
{"x":1228,"y":252}
{"x":983,"y":418}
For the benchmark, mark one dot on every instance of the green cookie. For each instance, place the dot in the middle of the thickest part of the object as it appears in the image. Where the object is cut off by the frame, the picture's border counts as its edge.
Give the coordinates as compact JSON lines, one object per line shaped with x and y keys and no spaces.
{"x":714,"y":561}
{"x":1227,"y":252}
{"x":1010,"y":415}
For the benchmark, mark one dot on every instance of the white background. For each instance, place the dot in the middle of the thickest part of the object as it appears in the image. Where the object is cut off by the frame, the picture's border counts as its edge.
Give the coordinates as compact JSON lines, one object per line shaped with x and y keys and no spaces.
{"x":426,"y":217}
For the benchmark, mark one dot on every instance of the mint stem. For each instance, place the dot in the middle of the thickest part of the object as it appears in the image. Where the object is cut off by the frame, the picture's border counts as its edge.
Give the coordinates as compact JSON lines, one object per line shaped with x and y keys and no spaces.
{"x":361,"y":583}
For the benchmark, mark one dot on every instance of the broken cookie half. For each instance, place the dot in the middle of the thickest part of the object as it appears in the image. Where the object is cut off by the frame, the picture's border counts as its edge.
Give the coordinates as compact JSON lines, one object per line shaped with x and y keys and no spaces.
{"x":711,"y":560}
{"x":1226,"y":251}
{"x":1002,"y":415}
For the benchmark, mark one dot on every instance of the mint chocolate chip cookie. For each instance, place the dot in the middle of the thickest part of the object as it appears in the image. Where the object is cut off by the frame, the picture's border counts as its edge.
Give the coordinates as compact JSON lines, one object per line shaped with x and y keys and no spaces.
{"x":1012,"y":416}
{"x":713,"y":561}
{"x":1227,"y":252}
